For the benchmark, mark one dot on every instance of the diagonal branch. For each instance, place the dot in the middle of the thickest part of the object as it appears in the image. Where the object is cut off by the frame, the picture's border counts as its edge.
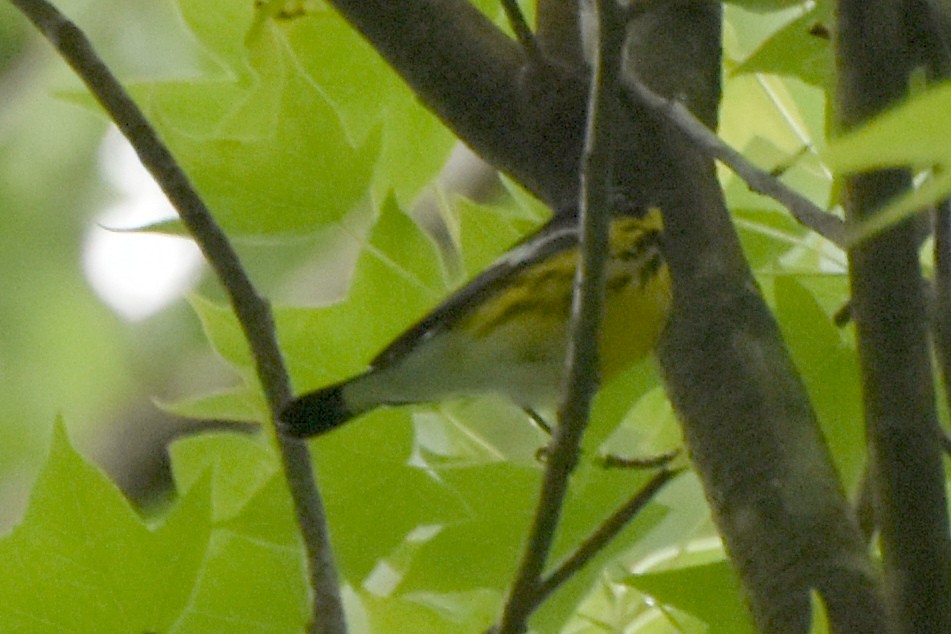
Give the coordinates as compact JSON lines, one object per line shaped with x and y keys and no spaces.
{"x":761,"y":181}
{"x":607,"y":531}
{"x":252,"y":310}
{"x":521,"y":29}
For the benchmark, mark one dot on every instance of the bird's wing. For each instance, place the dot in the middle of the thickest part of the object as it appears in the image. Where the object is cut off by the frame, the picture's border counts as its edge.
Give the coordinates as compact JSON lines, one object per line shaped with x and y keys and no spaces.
{"x":555,"y":236}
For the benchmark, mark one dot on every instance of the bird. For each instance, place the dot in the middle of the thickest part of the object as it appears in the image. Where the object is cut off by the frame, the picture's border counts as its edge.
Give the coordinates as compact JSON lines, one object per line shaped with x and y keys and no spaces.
{"x":506,"y":330}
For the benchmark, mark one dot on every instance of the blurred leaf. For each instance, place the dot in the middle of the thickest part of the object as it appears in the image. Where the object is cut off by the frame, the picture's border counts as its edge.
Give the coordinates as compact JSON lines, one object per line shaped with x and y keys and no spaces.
{"x":830,"y":371}
{"x":397,"y":279}
{"x":374,"y":497}
{"x":367,"y":94}
{"x":171,"y":227}
{"x":247,"y":586}
{"x":632,"y":400}
{"x":238,"y":465}
{"x":266,"y":151}
{"x":913,"y":134}
{"x":708,"y":591}
{"x":223,"y":331}
{"x":802,"y":48}
{"x":595,"y":494}
{"x":82,"y":560}
{"x":221,"y":27}
{"x":765,"y":5}
{"x":239,"y":404}
{"x":431,"y":613}
{"x":253,"y":578}
{"x":498,"y":500}
{"x":346,"y":87}
{"x":767,"y":235}
{"x":820,"y":618}
{"x":487,"y":231}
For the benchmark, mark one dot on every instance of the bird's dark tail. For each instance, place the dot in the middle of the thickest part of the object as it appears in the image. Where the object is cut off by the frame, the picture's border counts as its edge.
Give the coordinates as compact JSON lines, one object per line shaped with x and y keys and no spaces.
{"x":315,"y":413}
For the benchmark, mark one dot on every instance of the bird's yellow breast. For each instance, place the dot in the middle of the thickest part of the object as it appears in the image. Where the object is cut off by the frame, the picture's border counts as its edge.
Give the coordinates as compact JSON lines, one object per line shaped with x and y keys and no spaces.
{"x":530,"y":315}
{"x":635,"y":313}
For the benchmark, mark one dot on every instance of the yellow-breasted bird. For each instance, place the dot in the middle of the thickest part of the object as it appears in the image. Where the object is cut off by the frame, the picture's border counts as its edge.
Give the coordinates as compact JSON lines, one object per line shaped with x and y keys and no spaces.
{"x":506,"y":331}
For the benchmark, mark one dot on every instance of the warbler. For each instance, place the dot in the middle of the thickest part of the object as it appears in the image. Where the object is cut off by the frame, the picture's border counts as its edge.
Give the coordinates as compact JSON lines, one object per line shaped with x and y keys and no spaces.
{"x":506,"y":331}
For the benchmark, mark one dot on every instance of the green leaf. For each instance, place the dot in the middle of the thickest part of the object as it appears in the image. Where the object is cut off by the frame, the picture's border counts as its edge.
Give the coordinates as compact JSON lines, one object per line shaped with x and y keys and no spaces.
{"x":247,"y":586}
{"x":253,"y":577}
{"x":367,"y":95}
{"x":268,"y":154}
{"x":765,"y":5}
{"x":796,"y":51}
{"x":630,"y":414}
{"x":240,"y":404}
{"x":913,"y":134}
{"x":431,"y":613}
{"x":82,"y":560}
{"x":221,"y":26}
{"x":594,"y":495}
{"x":820,"y":617}
{"x":170,"y":227}
{"x":498,"y":501}
{"x":239,"y":466}
{"x":479,"y":430}
{"x":373,"y":496}
{"x":330,"y":343}
{"x":487,"y":231}
{"x":829,"y":368}
{"x":708,"y":591}
{"x":224,"y":332}
{"x":397,"y":279}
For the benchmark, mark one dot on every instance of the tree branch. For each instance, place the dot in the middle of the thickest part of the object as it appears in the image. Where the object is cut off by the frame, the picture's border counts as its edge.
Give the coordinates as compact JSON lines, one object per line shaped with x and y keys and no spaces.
{"x":587,"y":310}
{"x":252,"y":311}
{"x":761,"y":181}
{"x":891,"y":323}
{"x":559,"y":31}
{"x":929,"y":34}
{"x":603,"y":535}
{"x":521,"y":29}
{"x":525,"y":119}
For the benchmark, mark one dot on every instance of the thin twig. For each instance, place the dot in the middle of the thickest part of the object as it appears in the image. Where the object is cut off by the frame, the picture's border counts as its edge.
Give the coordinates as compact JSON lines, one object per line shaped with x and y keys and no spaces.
{"x":761,"y":181}
{"x":587,"y":308}
{"x":603,"y":535}
{"x":253,"y":311}
{"x":613,"y":461}
{"x":523,"y":33}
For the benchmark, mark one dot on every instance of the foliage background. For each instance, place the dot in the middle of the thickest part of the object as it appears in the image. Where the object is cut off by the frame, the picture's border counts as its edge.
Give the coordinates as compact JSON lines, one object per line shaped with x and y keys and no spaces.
{"x":310,"y":150}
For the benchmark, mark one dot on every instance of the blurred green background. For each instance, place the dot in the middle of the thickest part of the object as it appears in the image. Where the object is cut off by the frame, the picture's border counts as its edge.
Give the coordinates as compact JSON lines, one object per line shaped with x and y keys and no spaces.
{"x":63,"y":351}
